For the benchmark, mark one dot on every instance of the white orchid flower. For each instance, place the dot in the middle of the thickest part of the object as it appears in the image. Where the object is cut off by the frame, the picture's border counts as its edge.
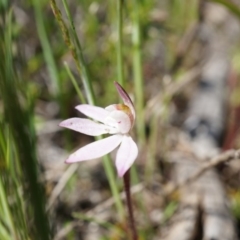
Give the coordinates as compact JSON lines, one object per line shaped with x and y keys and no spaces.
{"x":116,"y":119}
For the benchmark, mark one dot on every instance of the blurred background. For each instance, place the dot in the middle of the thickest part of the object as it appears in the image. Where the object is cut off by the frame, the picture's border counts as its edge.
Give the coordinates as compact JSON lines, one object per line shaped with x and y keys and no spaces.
{"x":179,"y":60}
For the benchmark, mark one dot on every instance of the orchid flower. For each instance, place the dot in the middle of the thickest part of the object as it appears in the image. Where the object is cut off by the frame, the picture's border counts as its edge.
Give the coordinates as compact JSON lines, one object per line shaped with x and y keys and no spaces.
{"x":117,"y":120}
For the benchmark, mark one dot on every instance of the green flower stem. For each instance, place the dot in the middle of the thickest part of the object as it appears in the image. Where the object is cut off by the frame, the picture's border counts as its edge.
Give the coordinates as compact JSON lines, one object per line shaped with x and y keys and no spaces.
{"x":120,"y":72}
{"x":137,"y":71}
{"x":75,"y":48}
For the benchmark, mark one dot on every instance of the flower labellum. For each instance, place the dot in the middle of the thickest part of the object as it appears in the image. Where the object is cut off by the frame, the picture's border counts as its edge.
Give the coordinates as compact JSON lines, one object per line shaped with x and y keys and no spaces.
{"x":117,"y":120}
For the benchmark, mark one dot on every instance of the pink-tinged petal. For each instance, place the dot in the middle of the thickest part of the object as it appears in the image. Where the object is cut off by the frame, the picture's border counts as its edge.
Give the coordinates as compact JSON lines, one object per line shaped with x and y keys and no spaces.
{"x":87,"y":126}
{"x":126,"y":155}
{"x":96,"y":149}
{"x":119,"y":120}
{"x":125,"y":97}
{"x":96,"y":113}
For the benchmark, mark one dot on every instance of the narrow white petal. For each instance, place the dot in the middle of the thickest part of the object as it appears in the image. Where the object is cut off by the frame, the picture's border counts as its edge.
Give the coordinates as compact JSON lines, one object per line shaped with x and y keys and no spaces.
{"x":96,"y":113}
{"x":96,"y":149}
{"x":87,"y":126}
{"x":126,"y":155}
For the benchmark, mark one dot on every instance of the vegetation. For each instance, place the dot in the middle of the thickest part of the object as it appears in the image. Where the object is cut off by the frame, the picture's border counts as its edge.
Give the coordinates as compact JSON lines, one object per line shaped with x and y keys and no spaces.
{"x":58,"y":54}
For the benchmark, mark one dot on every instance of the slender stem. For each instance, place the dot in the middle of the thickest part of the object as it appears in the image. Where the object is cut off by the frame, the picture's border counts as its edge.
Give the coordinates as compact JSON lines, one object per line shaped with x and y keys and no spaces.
{"x":75,"y":84}
{"x":119,"y":43}
{"x":84,"y":70}
{"x":126,"y":179}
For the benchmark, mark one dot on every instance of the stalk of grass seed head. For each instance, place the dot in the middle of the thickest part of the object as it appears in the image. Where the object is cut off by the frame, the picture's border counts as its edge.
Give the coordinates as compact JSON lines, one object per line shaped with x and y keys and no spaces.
{"x":137,"y":71}
{"x":69,"y":43}
{"x":132,"y":226}
{"x":81,"y":67}
{"x":120,"y":72}
{"x":84,"y":71}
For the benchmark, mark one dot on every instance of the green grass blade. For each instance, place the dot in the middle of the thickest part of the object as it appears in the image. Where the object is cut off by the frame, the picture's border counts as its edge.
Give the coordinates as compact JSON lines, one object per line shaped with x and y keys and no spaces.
{"x":47,"y":50}
{"x":18,"y":119}
{"x":137,"y":72}
{"x":120,"y":72}
{"x":4,"y":235}
{"x":5,"y":209}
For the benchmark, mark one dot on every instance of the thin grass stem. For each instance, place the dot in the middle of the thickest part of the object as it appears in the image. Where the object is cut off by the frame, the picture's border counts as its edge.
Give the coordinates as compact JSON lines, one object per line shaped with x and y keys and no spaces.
{"x":120,"y":72}
{"x":84,"y":71}
{"x":137,"y":72}
{"x":74,"y":82}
